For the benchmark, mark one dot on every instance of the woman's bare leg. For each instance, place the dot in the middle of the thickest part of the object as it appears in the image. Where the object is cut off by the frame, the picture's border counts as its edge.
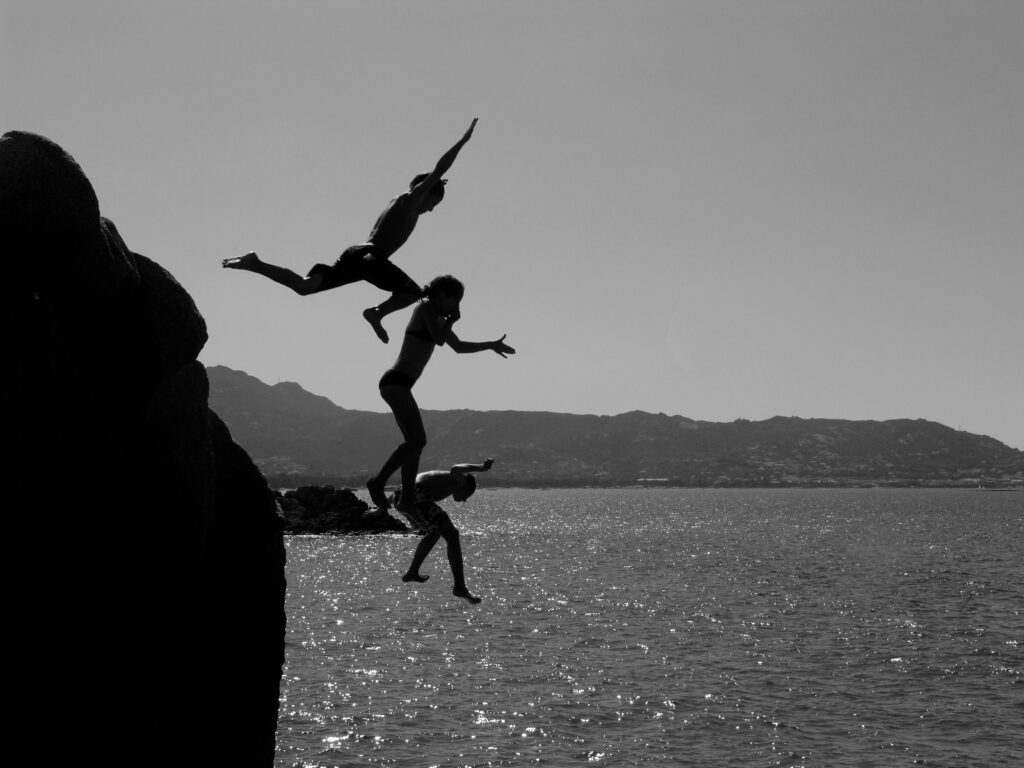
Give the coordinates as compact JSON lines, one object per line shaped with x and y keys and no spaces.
{"x":407,"y":455}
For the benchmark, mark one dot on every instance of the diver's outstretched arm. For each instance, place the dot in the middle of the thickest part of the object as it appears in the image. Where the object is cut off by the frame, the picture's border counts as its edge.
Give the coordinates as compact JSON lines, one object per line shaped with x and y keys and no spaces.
{"x":463,"y":468}
{"x":499,"y":346}
{"x":444,"y":163}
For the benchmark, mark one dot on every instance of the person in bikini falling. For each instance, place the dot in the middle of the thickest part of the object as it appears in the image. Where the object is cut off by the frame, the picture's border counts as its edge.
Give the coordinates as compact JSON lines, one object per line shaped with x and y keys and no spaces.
{"x":432,"y":487}
{"x":429,"y":327}
{"x":371,"y":260}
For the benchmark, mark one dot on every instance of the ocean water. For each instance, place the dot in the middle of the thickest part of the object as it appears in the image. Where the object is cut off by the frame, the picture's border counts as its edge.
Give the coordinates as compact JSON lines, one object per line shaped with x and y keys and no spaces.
{"x":668,"y":627}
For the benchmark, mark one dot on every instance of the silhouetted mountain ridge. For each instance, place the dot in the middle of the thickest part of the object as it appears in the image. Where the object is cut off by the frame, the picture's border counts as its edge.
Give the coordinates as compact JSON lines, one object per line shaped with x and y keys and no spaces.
{"x":298,"y":437}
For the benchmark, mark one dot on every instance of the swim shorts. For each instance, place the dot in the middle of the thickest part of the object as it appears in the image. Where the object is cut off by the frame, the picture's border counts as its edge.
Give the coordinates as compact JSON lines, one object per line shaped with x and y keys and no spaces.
{"x":353,"y":266}
{"x":428,"y":517}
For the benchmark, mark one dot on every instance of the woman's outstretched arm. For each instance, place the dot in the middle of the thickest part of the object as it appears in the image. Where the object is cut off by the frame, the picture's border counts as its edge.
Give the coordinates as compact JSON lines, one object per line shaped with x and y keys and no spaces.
{"x":462,"y":347}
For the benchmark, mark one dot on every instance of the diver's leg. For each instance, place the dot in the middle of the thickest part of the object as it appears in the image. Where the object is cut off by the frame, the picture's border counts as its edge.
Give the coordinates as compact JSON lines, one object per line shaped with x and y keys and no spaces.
{"x":388,"y":277}
{"x":250,"y":262}
{"x":451,"y":537}
{"x":422,"y":550}
{"x":407,"y":455}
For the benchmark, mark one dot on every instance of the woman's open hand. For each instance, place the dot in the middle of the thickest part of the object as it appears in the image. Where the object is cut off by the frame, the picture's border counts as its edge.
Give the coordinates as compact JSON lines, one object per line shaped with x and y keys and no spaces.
{"x":501,"y":347}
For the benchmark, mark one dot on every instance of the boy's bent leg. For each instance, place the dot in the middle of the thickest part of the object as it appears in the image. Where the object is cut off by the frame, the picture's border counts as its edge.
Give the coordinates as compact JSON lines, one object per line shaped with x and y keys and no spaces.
{"x":396,"y":301}
{"x":422,"y":550}
{"x":373,"y":316}
{"x":388,"y":277}
{"x":451,"y":537}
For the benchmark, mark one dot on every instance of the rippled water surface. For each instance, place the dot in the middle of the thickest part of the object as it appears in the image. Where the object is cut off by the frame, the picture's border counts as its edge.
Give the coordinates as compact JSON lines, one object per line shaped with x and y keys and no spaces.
{"x":668,"y":627}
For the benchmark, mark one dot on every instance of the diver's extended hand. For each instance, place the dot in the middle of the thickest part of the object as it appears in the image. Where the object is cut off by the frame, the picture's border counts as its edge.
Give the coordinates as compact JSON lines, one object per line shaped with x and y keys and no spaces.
{"x":501,"y":347}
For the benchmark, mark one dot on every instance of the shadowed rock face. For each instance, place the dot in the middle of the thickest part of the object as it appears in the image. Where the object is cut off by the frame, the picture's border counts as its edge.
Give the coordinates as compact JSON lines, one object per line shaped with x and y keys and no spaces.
{"x":148,"y":565}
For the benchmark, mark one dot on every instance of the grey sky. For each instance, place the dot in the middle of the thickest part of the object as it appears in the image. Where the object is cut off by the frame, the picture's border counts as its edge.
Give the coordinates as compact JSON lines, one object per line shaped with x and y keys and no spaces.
{"x":715,"y":209}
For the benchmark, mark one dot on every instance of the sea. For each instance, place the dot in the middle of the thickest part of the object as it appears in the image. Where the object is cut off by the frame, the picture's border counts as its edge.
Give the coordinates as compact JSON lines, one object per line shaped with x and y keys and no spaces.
{"x":667,"y":627}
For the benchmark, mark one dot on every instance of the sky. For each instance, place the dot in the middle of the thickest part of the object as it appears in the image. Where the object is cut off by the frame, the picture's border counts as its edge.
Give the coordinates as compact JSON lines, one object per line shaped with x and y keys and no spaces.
{"x":723,"y":209}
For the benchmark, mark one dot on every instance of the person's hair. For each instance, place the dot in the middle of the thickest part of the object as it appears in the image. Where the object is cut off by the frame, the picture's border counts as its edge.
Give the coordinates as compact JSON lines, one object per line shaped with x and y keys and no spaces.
{"x":437,"y":189}
{"x":445,"y":284}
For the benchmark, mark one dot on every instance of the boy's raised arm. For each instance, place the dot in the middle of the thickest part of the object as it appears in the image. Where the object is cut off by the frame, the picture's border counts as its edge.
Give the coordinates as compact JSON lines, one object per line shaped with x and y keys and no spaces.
{"x":462,"y":468}
{"x":445,"y":162}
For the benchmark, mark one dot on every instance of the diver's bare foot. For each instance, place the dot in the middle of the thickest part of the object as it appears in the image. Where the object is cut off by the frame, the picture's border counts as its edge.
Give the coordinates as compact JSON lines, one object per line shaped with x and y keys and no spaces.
{"x":373,"y":318}
{"x":241,"y":262}
{"x":376,"y":489}
{"x":415,"y":577}
{"x":464,"y":594}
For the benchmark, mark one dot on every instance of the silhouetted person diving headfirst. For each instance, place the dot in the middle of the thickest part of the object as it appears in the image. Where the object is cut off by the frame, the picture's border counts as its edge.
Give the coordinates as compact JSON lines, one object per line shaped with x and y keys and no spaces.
{"x":371,"y":260}
{"x":426,"y":515}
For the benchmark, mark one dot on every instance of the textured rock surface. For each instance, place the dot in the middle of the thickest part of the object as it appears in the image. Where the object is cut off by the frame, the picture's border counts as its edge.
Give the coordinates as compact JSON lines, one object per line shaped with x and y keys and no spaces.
{"x":149,"y":625}
{"x":322,"y":509}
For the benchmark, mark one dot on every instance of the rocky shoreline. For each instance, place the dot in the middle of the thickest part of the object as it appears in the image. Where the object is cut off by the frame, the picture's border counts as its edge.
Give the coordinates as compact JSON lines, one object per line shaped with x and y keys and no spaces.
{"x":325,"y":510}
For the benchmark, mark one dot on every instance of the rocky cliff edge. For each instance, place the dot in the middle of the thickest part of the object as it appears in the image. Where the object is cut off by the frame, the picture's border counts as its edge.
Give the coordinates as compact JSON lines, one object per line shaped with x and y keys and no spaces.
{"x":147,"y":622}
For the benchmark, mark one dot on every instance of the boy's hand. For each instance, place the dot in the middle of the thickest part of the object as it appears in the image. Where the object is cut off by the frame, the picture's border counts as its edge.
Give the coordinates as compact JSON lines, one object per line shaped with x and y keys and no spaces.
{"x":488,"y":463}
{"x":469,"y":133}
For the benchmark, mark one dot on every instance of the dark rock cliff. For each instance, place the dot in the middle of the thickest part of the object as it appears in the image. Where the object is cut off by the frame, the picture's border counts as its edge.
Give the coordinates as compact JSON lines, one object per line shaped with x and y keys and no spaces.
{"x":147,"y":622}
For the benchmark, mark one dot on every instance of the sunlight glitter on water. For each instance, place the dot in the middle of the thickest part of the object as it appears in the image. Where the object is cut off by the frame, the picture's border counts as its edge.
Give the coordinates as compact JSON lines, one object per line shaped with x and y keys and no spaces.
{"x":631,"y":627}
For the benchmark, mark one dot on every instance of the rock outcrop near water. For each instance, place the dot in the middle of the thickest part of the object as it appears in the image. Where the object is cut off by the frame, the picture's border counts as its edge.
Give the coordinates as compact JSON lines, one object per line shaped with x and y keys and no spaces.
{"x":145,"y":552}
{"x":323,"y":509}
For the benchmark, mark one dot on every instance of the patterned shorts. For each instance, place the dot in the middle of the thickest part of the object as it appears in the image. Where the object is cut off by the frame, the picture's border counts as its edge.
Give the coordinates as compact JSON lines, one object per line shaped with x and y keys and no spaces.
{"x":428,"y":516}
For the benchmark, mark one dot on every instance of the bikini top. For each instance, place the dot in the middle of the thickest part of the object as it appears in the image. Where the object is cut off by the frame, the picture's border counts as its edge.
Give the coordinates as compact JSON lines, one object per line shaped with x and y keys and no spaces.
{"x":423,"y":334}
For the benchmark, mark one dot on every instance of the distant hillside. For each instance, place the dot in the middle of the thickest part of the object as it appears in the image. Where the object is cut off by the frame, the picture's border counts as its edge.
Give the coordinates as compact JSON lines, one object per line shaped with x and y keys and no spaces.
{"x":298,"y":437}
